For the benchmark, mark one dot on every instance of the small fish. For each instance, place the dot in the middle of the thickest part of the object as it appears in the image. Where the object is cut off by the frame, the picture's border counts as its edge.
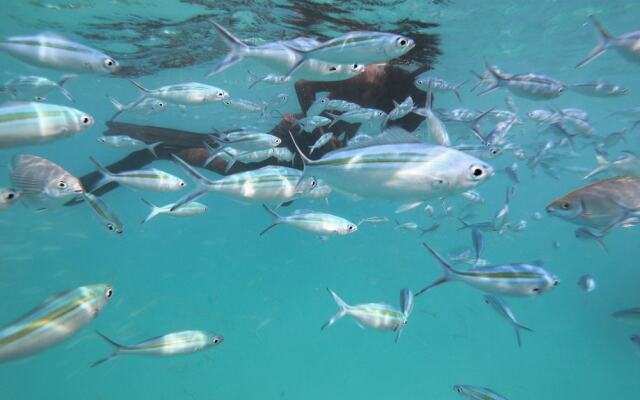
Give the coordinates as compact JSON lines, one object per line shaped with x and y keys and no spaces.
{"x":505,"y":312}
{"x":8,"y":197}
{"x":29,"y":88}
{"x":108,"y":218}
{"x":501,"y":217}
{"x":129,"y":143}
{"x":309,"y":124}
{"x":242,"y":141}
{"x":599,"y":89}
{"x":436,"y":130}
{"x":147,"y":106}
{"x":187,"y":210}
{"x":320,"y":191}
{"x":42,"y":183}
{"x":145,"y":179}
{"x":359,"y":116}
{"x":56,"y":319}
{"x":473,"y":196}
{"x":585,"y":233}
{"x":423,"y":83}
{"x":273,"y":79}
{"x":629,"y":314}
{"x":530,"y":86}
{"x":374,"y":220}
{"x":587,"y":283}
{"x":627,"y":165}
{"x":244,"y":106}
{"x":171,"y":344}
{"x":322,"y":140}
{"x":400,"y":109}
{"x":477,"y":393}
{"x":34,"y":123}
{"x":509,"y":279}
{"x":341,"y":105}
{"x":317,"y":107}
{"x":627,"y":45}
{"x":247,"y":157}
{"x":312,"y":221}
{"x":356,"y":47}
{"x":188,"y":94}
{"x":56,"y":52}
{"x":512,"y":172}
{"x":375,"y":315}
{"x":602,"y":205}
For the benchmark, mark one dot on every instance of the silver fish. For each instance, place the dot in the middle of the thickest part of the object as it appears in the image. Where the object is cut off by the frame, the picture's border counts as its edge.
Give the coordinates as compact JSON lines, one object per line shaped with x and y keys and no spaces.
{"x":512,"y":172}
{"x":356,"y":47}
{"x":359,"y":116}
{"x":424,"y":82}
{"x":627,"y":45}
{"x":436,"y":130}
{"x":171,"y":344}
{"x":309,"y":124}
{"x":317,"y":107}
{"x":508,"y":280}
{"x":244,"y":106}
{"x":397,"y":165}
{"x":145,"y":179}
{"x":478,"y":242}
{"x":627,"y":165}
{"x":602,"y":205}
{"x":147,"y":106}
{"x":8,"y":197}
{"x":35,"y":123}
{"x":530,"y":86}
{"x":247,"y":157}
{"x":341,"y":105}
{"x":375,"y":315}
{"x":187,"y":210}
{"x":273,"y":79}
{"x":374,"y":220}
{"x":505,"y":312}
{"x":400,"y":109}
{"x":313,"y":221}
{"x":322,"y":140}
{"x":42,"y":183}
{"x":29,"y":88}
{"x":56,"y":52}
{"x":599,"y":89}
{"x":270,"y":183}
{"x":188,"y":94}
{"x":108,"y":218}
{"x":129,"y":143}
{"x":55,"y":320}
{"x":587,"y":283}
{"x":477,"y":393}
{"x":242,"y":141}
{"x":281,"y":57}
{"x":320,"y":191}
{"x":629,"y":314}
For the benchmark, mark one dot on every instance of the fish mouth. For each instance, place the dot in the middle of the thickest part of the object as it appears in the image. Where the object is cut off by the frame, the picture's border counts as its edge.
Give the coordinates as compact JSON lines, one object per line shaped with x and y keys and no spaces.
{"x":550,"y":209}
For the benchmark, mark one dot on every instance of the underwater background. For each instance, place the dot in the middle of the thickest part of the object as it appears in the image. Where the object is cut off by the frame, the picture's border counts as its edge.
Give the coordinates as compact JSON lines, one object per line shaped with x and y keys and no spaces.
{"x":267,"y":295}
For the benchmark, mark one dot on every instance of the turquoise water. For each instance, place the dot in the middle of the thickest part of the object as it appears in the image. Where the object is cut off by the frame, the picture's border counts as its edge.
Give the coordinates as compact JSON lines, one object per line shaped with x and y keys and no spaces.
{"x":267,"y":295}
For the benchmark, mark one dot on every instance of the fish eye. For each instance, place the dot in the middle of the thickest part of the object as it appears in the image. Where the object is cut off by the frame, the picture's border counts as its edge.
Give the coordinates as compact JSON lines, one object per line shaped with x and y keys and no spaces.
{"x":216,"y":341}
{"x":110,"y":227}
{"x":566,"y":205}
{"x":278,"y":141}
{"x":402,"y":42}
{"x":535,"y":290}
{"x":477,"y":171}
{"x":109,"y":293}
{"x":220,"y":94}
{"x":356,"y":66}
{"x":10,"y":196}
{"x":85,"y":119}
{"x":457,"y":389}
{"x":556,"y":283}
{"x":333,"y":69}
{"x":109,"y":63}
{"x":350,"y":227}
{"x":161,"y":104}
{"x":62,"y":184}
{"x":495,"y":152}
{"x":182,"y":184}
{"x":314,"y":183}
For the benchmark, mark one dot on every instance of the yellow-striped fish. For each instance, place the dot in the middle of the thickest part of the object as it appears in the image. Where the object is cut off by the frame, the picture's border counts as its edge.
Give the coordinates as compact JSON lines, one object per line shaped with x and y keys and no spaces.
{"x":55,"y":320}
{"x":171,"y":344}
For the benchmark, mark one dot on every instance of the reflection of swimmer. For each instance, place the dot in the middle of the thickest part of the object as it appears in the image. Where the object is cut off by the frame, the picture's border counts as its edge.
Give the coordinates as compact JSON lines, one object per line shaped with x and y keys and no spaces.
{"x":376,"y":88}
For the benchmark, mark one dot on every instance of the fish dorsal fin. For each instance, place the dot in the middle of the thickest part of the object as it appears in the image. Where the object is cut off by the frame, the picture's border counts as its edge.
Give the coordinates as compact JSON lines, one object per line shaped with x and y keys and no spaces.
{"x":629,"y":154}
{"x":390,"y":136}
{"x":302,"y":211}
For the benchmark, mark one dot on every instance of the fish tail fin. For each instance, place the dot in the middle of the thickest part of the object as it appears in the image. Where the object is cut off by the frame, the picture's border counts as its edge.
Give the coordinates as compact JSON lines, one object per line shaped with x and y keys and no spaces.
{"x":305,"y":160}
{"x":118,"y":106}
{"x":202,"y":183}
{"x":64,"y":79}
{"x":143,"y":89}
{"x":152,"y":148}
{"x":464,"y":223}
{"x":517,"y":328}
{"x":497,"y":78}
{"x":447,"y":268}
{"x":605,"y":41}
{"x":456,"y":89}
{"x":155,"y":210}
{"x":479,"y":82}
{"x":107,"y":176}
{"x":236,"y":53}
{"x":334,"y":118}
{"x":278,"y":219}
{"x":341,"y":313}
{"x":255,"y":79}
{"x":603,"y":165}
{"x":213,"y":152}
{"x":302,"y":57}
{"x":230,"y":164}
{"x":111,"y":356}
